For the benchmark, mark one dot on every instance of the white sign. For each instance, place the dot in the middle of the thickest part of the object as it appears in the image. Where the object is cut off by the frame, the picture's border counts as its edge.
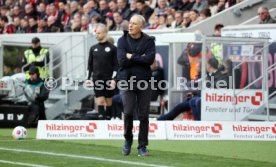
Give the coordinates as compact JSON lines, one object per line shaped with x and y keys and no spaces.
{"x":203,"y":130}
{"x":221,"y":105}
{"x":248,"y":32}
{"x":162,"y":130}
{"x":247,"y":50}
{"x":93,"y":130}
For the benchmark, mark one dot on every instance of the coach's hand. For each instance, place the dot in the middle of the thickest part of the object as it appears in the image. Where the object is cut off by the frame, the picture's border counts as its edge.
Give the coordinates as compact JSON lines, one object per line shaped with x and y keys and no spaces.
{"x":129,"y":55}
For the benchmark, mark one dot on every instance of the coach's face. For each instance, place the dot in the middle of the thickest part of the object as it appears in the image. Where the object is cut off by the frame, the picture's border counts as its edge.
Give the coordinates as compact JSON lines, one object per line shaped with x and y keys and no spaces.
{"x":135,"y":26}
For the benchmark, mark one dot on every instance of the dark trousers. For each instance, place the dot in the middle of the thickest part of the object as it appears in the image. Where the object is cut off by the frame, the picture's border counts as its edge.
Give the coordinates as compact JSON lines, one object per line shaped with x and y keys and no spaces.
{"x":37,"y":112}
{"x":178,"y":109}
{"x":140,"y":99}
{"x":195,"y":104}
{"x":118,"y":108}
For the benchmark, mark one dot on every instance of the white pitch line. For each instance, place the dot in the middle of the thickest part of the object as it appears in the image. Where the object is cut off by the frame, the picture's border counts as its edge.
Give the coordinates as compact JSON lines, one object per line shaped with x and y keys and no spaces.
{"x":21,"y":163}
{"x":83,"y":157}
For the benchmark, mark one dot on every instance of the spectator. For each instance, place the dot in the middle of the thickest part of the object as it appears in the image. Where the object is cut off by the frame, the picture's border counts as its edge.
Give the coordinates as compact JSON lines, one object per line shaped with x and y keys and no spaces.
{"x":120,"y":23}
{"x":264,"y":16}
{"x":221,"y":6}
{"x":61,"y":7}
{"x":6,"y":28}
{"x":24,"y":24}
{"x":110,"y":23}
{"x":133,"y":7}
{"x":185,"y":5}
{"x":230,"y":3}
{"x":162,"y":18}
{"x":186,"y":20}
{"x":30,"y":11}
{"x":93,"y":5}
{"x":41,"y":9}
{"x":65,"y":17}
{"x":204,"y":14}
{"x":124,"y":10}
{"x":76,"y":23}
{"x":41,"y":25}
{"x":84,"y":23}
{"x":95,"y":20}
{"x":144,"y":10}
{"x":90,"y":10}
{"x":16,"y":22}
{"x":73,"y":9}
{"x":103,"y":10}
{"x":4,"y":10}
{"x":200,"y":4}
{"x":17,"y":12}
{"x":113,"y":6}
{"x":155,"y":23}
{"x":178,"y":20}
{"x":213,"y":6}
{"x":162,"y":5}
{"x":54,"y":12}
{"x":33,"y":25}
{"x":51,"y":27}
{"x":170,"y":20}
{"x":194,"y":16}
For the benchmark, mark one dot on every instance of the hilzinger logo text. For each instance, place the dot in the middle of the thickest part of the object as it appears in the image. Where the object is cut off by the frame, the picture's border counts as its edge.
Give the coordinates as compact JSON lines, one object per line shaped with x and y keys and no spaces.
{"x":214,"y":97}
{"x":216,"y":128}
{"x":91,"y":127}
{"x":118,"y":127}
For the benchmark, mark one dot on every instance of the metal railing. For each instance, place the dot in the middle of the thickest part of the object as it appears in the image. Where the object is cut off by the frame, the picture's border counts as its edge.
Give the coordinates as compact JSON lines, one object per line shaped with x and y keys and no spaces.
{"x":65,"y":60}
{"x":264,"y":76}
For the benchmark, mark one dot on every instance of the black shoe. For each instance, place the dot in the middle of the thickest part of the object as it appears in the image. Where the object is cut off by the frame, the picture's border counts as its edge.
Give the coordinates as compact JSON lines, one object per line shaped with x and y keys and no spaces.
{"x":143,"y":151}
{"x":126,"y":148}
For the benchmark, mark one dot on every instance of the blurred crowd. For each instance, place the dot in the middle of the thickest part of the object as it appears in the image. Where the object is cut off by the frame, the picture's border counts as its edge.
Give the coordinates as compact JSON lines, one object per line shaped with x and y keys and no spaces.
{"x":38,"y":16}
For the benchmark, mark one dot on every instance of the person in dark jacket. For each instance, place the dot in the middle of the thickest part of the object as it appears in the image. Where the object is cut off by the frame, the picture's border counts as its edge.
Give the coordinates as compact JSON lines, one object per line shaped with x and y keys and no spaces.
{"x":136,"y":52}
{"x":226,"y":72}
{"x":144,"y":10}
{"x":39,"y":95}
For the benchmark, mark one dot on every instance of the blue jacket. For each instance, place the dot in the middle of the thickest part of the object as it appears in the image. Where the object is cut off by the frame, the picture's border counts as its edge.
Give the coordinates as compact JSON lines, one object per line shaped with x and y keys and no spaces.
{"x":143,"y":50}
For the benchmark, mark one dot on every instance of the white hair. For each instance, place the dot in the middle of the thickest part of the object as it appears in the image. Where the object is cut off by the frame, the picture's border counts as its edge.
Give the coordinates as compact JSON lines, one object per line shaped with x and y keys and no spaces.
{"x":141,"y":18}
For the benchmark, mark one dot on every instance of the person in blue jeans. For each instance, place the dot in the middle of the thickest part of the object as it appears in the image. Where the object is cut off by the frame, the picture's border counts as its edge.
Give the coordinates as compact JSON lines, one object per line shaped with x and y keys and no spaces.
{"x":195,"y":104}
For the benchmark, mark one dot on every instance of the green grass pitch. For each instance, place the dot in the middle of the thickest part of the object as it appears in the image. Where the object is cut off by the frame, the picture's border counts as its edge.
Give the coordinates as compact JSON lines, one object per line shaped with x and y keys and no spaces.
{"x":82,"y":153}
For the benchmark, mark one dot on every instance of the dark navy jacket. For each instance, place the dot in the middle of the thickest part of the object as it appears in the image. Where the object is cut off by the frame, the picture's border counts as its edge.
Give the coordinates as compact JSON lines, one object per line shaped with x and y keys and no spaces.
{"x":143,"y":50}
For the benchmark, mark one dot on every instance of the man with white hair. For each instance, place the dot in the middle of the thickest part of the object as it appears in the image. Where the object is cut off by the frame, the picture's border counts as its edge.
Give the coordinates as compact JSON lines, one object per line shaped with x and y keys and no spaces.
{"x":135,"y":53}
{"x":264,"y":16}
